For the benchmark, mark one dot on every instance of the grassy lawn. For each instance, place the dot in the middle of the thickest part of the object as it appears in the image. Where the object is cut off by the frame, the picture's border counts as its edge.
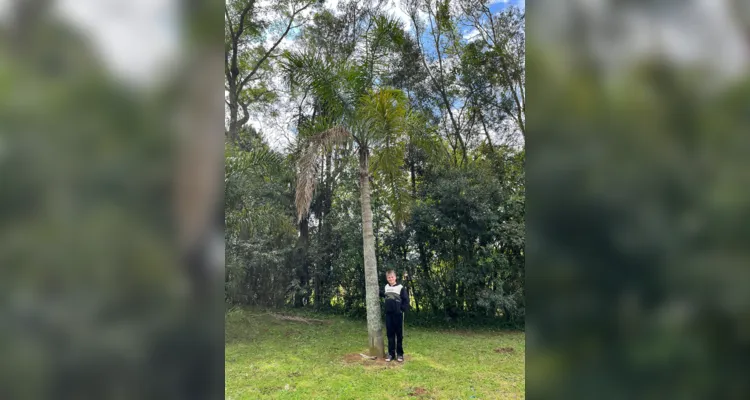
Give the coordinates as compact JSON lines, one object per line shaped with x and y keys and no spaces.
{"x":268,"y":356}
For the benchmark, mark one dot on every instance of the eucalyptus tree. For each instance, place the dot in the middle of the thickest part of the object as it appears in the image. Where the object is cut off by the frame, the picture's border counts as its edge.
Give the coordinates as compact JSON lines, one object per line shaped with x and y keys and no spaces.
{"x":247,"y":26}
{"x":497,"y":53}
{"x":439,"y":43}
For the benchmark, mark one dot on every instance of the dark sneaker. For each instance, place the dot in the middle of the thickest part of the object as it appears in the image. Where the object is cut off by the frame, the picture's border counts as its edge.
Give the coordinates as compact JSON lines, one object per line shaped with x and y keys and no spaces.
{"x":400,"y":358}
{"x":388,"y":358}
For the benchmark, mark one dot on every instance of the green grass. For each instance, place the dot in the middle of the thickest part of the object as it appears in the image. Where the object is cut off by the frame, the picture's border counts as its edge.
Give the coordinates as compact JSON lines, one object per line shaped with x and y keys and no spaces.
{"x":272,"y":358}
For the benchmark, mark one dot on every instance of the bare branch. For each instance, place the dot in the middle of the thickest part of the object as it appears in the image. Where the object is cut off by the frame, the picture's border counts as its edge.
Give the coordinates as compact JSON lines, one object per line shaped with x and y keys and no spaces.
{"x":440,"y":85}
{"x":231,"y":70}
{"x":241,"y":24}
{"x":229,"y":21}
{"x":246,"y":115}
{"x":276,"y":44}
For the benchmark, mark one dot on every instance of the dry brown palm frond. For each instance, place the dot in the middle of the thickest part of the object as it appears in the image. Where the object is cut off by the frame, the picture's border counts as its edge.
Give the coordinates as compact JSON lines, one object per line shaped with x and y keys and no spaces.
{"x":335,"y":135}
{"x":307,"y":171}
{"x":307,"y":166}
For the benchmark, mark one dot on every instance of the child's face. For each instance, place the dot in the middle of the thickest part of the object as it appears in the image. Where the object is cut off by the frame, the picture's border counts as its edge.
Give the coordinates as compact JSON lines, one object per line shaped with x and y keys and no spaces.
{"x":391,"y":278}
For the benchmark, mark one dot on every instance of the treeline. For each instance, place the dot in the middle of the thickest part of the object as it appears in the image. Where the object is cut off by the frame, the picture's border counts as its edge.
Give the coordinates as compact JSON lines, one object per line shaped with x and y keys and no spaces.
{"x":446,"y":174}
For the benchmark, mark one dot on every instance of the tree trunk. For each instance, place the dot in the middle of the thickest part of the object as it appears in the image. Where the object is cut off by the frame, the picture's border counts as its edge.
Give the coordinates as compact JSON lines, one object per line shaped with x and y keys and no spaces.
{"x":234,"y":128}
{"x":322,"y":291}
{"x":461,"y":297}
{"x":415,"y":295}
{"x":487,"y":133}
{"x":428,"y":292}
{"x":372,"y":297}
{"x":410,"y":285}
{"x":303,"y":271}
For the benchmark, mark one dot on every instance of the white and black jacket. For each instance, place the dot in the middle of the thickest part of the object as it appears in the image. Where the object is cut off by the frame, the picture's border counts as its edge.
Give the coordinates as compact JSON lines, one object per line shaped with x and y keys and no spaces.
{"x":396,"y":298}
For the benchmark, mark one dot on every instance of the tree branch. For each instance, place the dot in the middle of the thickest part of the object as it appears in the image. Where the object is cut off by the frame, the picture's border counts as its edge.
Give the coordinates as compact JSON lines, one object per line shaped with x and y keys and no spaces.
{"x":243,"y":14}
{"x":232,"y":71}
{"x":246,"y":115}
{"x":441,"y":86}
{"x":276,"y":44}
{"x":229,"y":22}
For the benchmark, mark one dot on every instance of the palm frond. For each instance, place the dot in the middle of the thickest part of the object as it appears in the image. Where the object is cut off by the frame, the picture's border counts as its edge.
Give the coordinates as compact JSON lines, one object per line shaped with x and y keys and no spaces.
{"x":307,"y":172}
{"x":309,"y":70}
{"x":307,"y":166}
{"x":337,"y":134}
{"x":384,"y":112}
{"x":387,"y":170}
{"x":390,"y":27}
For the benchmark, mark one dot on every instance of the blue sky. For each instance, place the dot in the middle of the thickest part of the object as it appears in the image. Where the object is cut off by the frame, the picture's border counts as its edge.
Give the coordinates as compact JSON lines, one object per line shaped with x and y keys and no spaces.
{"x":495,"y":6}
{"x":500,"y":5}
{"x":395,"y":7}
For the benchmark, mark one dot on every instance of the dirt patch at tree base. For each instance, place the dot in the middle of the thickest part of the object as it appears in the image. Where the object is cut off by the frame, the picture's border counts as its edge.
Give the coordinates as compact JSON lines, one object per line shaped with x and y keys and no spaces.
{"x":418,"y":391}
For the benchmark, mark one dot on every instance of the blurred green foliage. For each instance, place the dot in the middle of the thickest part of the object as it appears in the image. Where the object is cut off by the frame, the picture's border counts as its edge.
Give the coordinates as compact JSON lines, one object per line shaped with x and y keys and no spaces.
{"x":638,"y":198}
{"x":94,"y":299}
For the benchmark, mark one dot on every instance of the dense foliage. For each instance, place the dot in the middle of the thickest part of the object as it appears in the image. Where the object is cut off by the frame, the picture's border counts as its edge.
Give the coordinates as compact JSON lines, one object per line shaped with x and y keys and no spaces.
{"x":433,"y":110}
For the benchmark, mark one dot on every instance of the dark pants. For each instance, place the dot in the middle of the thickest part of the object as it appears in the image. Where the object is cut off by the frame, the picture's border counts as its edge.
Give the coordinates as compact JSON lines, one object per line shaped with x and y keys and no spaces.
{"x":394,"y":328}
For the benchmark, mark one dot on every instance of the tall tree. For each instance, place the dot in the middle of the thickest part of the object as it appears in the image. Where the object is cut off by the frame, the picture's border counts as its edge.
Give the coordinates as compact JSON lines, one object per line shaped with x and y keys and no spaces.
{"x":442,"y":37}
{"x":496,"y":55}
{"x":376,"y":120}
{"x":245,"y":54}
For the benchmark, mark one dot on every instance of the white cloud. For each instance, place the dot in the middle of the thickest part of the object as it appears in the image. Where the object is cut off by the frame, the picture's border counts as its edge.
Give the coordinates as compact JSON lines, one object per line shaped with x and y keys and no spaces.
{"x":470,"y":35}
{"x":332,"y":4}
{"x":396,"y":11}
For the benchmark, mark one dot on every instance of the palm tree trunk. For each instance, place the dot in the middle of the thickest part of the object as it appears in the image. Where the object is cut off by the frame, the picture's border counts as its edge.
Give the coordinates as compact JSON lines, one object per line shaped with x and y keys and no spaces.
{"x":372,"y":298}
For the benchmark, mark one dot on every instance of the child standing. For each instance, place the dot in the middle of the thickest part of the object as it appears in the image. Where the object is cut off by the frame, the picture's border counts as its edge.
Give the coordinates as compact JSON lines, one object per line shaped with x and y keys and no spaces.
{"x":396,"y":303}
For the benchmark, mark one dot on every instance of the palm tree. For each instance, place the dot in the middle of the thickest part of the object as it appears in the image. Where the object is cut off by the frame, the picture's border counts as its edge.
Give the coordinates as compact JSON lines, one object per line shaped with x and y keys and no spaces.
{"x":376,"y":121}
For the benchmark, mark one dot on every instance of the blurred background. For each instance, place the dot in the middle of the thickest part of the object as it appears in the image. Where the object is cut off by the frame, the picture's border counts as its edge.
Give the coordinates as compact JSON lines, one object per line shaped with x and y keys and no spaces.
{"x":111,"y":246}
{"x":638,"y":180}
{"x":638,"y":199}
